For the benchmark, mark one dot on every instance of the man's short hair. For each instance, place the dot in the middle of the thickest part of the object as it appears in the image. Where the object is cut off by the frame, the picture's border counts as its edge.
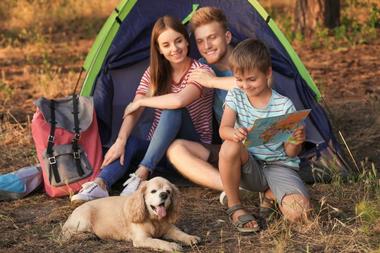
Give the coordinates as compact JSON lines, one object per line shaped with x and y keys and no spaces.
{"x":249,"y":55}
{"x":206,"y":15}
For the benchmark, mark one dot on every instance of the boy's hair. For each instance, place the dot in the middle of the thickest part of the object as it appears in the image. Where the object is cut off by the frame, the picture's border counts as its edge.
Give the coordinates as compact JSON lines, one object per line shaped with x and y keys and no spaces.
{"x":206,"y":15}
{"x":249,"y":55}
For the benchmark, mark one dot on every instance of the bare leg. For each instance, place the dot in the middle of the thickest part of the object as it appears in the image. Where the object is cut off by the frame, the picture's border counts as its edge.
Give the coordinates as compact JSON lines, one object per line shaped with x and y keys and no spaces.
{"x":231,"y":157}
{"x":190,"y":159}
{"x":142,"y":172}
{"x":294,"y":207}
{"x":101,"y":183}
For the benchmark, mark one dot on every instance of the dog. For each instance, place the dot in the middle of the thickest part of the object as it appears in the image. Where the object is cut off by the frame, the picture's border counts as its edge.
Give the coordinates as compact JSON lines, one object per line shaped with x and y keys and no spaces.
{"x":143,"y":217}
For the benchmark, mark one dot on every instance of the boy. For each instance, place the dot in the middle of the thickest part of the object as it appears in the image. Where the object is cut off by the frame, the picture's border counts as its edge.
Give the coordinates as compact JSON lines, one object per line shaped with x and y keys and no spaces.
{"x":269,"y":168}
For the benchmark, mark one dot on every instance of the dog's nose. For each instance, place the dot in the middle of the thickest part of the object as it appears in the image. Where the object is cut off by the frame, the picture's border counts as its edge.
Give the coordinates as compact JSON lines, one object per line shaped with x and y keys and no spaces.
{"x":163,"y":195}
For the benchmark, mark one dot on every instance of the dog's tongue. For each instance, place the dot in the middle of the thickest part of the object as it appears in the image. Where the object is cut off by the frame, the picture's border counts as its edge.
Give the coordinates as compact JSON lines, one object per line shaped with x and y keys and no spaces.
{"x":161,"y":211}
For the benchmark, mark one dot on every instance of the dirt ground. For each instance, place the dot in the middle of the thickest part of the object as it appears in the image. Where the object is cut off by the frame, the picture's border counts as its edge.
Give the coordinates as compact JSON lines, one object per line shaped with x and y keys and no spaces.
{"x":350,"y":82}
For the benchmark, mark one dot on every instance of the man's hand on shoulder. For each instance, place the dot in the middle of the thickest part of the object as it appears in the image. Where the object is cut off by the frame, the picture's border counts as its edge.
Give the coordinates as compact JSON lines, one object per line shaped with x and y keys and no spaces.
{"x":203,"y":77}
{"x":209,"y":80}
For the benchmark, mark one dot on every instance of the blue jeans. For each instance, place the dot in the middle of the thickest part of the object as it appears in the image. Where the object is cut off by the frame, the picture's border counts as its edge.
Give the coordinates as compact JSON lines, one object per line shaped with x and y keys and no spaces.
{"x":173,"y":124}
{"x":135,"y":149}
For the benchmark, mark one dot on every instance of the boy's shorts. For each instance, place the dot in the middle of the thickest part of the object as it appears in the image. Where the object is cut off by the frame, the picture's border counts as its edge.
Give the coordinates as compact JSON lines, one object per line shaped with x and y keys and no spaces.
{"x":283,"y":180}
{"x":213,"y":157}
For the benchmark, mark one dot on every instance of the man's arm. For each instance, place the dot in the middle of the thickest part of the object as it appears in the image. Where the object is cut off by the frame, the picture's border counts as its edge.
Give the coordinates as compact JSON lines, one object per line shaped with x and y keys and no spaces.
{"x":207,"y":79}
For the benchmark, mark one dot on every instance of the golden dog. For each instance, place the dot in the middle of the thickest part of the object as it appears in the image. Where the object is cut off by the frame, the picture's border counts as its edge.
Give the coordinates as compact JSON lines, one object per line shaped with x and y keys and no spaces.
{"x":146,"y":215}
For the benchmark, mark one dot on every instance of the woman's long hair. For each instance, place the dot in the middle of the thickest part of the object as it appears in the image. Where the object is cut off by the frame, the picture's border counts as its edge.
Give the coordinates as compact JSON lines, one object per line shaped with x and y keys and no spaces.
{"x":160,"y":69}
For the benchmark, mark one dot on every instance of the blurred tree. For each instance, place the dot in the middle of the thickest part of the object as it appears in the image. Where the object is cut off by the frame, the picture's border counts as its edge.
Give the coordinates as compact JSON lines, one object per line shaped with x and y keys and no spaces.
{"x":311,"y":13}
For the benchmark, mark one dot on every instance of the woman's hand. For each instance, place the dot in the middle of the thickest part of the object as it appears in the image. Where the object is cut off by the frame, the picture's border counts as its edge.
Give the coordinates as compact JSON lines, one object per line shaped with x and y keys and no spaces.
{"x":131,"y":108}
{"x":203,"y":77}
{"x":115,"y":151}
{"x":298,"y":137}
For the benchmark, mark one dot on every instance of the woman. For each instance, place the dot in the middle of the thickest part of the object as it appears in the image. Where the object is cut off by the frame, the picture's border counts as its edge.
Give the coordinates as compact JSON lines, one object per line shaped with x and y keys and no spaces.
{"x":183,"y":110}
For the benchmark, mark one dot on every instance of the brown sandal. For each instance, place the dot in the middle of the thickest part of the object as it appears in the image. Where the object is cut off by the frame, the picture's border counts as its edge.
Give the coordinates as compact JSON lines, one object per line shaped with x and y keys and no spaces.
{"x":242,"y":220}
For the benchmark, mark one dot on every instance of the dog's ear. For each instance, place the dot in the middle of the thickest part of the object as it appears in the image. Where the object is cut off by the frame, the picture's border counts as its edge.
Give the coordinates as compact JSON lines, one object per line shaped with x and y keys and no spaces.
{"x":135,"y":207}
{"x":173,"y":210}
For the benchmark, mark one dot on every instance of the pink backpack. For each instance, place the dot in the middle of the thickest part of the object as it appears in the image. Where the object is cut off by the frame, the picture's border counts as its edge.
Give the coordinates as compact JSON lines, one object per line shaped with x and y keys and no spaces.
{"x":65,"y":134}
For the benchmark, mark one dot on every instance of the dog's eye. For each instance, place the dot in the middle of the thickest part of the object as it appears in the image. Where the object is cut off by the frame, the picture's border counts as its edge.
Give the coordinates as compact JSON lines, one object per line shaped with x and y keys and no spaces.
{"x":153,"y":191}
{"x":168,"y":191}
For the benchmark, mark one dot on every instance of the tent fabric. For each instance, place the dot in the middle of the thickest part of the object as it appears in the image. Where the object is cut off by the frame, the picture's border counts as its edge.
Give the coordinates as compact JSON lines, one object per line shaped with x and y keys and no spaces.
{"x":128,"y":56}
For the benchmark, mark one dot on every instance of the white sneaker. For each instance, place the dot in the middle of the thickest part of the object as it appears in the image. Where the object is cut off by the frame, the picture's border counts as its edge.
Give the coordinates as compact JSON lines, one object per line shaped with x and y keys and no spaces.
{"x":131,"y":185}
{"x":89,"y":191}
{"x":223,"y":197}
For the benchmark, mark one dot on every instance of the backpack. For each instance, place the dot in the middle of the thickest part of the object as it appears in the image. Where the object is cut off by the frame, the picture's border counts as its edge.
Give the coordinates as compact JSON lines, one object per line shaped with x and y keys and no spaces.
{"x":19,"y":183}
{"x":65,"y":134}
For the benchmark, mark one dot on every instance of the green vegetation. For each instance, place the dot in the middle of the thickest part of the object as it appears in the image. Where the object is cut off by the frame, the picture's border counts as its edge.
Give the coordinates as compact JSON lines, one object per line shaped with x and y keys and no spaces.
{"x":359,"y":23}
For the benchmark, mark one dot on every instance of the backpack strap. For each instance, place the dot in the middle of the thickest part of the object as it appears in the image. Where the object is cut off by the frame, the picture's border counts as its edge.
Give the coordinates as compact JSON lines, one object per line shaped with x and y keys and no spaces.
{"x":76,"y":153}
{"x":49,"y":151}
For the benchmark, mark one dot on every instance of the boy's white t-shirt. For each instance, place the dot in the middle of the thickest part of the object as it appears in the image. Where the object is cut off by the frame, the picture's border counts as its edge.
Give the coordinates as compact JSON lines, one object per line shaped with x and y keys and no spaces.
{"x":246,"y":114}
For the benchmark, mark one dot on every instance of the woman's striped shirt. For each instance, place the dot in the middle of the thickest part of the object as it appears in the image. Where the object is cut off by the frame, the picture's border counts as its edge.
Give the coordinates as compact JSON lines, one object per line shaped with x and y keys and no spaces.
{"x":200,"y":110}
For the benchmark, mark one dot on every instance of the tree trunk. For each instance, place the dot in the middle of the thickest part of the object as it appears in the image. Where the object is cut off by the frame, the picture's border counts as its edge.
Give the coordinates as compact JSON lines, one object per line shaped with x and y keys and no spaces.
{"x":311,"y":13}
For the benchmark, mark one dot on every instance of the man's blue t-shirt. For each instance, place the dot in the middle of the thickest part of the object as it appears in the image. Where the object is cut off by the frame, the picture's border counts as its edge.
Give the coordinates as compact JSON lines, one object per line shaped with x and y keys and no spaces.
{"x":219,"y":94}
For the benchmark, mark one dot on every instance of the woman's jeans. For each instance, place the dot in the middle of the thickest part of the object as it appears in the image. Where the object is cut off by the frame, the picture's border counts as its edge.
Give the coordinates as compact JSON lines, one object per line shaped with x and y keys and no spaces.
{"x":173,"y":124}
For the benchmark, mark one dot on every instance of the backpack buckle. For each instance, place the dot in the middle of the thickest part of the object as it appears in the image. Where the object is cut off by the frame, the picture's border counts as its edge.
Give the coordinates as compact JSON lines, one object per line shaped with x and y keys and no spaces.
{"x":76,"y":137}
{"x":52,"y":160}
{"x":76,"y":155}
{"x":51,"y":138}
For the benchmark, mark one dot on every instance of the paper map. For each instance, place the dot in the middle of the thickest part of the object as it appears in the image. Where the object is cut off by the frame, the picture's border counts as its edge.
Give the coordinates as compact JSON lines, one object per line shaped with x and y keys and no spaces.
{"x":275,"y":129}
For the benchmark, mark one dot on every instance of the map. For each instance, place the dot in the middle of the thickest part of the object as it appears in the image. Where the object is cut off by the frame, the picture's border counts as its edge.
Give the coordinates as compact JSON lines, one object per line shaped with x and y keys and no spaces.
{"x":275,"y":129}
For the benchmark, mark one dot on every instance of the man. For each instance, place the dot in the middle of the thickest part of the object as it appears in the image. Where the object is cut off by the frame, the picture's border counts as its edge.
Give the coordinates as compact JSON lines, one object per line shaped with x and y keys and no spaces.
{"x":196,"y":161}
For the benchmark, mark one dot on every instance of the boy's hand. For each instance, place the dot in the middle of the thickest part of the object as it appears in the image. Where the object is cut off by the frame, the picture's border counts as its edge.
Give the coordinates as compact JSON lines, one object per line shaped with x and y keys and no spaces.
{"x":298,"y":136}
{"x":239,"y":134}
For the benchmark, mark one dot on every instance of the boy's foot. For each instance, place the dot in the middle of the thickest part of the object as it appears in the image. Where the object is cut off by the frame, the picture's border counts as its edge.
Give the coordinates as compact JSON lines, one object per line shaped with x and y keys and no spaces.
{"x":243,"y":221}
{"x":131,"y":185}
{"x":89,"y":191}
{"x":267,"y":208}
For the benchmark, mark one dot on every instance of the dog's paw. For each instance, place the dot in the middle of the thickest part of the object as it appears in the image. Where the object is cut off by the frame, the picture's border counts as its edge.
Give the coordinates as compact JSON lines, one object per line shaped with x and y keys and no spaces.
{"x":192,"y":239}
{"x":174,"y":247}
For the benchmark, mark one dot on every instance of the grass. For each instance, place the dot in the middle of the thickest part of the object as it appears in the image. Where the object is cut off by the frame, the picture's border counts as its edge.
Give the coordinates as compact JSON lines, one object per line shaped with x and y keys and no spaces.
{"x":41,"y":55}
{"x":27,"y":21}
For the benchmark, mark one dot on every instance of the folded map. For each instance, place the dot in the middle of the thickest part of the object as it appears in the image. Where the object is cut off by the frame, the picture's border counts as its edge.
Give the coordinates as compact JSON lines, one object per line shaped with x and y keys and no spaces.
{"x":275,"y":129}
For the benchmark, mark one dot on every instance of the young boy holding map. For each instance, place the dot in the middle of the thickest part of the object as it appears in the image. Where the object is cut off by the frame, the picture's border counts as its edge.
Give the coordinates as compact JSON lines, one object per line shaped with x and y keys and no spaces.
{"x":271,"y":167}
